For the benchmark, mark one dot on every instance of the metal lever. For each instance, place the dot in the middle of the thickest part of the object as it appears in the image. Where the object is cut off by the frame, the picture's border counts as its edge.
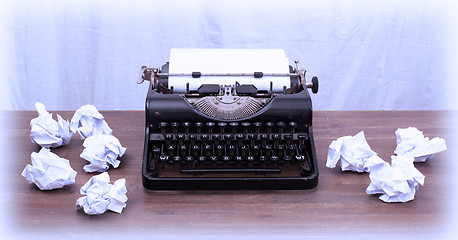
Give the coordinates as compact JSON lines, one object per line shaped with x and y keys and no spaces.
{"x":140,"y":78}
{"x":146,"y":74}
{"x":301,"y":73}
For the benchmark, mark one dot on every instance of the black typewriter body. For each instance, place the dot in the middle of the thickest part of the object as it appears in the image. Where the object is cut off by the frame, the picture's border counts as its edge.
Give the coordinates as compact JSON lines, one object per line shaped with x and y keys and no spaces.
{"x":228,"y":137}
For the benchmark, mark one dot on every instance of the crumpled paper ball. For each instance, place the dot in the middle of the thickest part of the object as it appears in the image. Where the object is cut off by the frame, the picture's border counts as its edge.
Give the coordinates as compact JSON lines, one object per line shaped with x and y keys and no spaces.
{"x":48,"y":132}
{"x":353,"y":153}
{"x":397,"y":182}
{"x":101,"y":151}
{"x":49,"y":171}
{"x":411,"y":142}
{"x":100,"y":195}
{"x":87,"y":121}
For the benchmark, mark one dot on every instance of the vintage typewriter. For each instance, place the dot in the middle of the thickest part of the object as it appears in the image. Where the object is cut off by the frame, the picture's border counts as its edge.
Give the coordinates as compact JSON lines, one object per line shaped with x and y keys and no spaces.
{"x":209,"y":129}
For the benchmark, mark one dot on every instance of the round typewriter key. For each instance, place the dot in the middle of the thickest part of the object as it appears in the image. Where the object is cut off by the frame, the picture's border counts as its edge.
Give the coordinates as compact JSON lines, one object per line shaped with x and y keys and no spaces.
{"x":210,"y":126}
{"x":300,"y":158}
{"x":274,"y":158}
{"x":186,"y":126}
{"x":240,"y":136}
{"x":222,"y":126}
{"x":288,"y":136}
{"x":287,"y":158}
{"x":269,"y":126}
{"x":163,"y":127}
{"x":226,"y":158}
{"x":175,"y":126}
{"x":202,"y":158}
{"x":177,"y":158}
{"x":257,"y":126}
{"x":245,"y":125}
{"x":292,"y":126}
{"x":199,"y":126}
{"x":262,"y":158}
{"x":163,"y":158}
{"x":213,"y":158}
{"x":183,"y":150}
{"x":280,"y":126}
{"x":234,"y":126}
{"x":189,"y":158}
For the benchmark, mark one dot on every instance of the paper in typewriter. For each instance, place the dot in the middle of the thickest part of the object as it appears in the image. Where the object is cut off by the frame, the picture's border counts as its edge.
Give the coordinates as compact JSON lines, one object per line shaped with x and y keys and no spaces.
{"x":209,"y":61}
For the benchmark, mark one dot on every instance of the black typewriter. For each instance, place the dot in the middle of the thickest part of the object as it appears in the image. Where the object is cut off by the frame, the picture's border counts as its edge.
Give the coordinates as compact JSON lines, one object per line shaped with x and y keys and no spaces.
{"x":228,"y":136}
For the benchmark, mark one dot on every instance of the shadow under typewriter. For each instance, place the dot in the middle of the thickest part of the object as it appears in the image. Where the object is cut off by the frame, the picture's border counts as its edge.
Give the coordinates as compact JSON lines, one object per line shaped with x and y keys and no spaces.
{"x":228,"y":136}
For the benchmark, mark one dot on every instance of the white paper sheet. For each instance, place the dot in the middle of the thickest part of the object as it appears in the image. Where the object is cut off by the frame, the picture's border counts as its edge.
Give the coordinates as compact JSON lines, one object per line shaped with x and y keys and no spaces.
{"x":48,"y":132}
{"x":100,"y":195}
{"x":102,"y":150}
{"x":87,"y":121}
{"x":397,"y":182}
{"x":411,"y":142}
{"x":228,"y":61}
{"x":353,"y":152}
{"x":49,"y":171}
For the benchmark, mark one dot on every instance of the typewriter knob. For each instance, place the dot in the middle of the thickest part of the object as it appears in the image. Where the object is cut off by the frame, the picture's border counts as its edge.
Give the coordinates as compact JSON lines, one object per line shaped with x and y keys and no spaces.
{"x":314,"y":84}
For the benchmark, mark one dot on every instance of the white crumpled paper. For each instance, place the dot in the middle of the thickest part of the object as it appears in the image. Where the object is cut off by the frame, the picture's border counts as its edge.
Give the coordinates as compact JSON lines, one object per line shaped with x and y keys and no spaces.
{"x":49,"y":171}
{"x":353,"y":152}
{"x":397,"y":182}
{"x":102,"y":150}
{"x":411,"y":142}
{"x":87,"y":121}
{"x":48,"y":132}
{"x":100,"y":195}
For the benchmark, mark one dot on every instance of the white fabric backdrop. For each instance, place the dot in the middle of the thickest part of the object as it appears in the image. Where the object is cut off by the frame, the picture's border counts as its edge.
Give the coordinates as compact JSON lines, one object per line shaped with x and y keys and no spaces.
{"x":368,"y":55}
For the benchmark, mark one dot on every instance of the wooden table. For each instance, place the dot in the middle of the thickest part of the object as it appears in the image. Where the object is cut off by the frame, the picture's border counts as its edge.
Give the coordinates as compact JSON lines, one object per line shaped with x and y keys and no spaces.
{"x":338,"y":207}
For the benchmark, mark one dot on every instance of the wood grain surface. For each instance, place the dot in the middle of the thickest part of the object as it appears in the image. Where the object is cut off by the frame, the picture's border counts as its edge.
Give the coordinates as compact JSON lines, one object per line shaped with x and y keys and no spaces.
{"x":337,"y":208}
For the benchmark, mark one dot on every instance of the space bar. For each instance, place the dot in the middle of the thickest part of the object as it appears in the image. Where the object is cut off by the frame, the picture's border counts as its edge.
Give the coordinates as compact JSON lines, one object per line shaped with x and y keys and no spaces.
{"x":231,"y":170}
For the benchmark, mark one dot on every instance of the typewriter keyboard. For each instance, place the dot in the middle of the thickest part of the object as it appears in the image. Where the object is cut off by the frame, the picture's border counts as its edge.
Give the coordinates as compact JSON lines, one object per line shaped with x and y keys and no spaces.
{"x":213,"y":148}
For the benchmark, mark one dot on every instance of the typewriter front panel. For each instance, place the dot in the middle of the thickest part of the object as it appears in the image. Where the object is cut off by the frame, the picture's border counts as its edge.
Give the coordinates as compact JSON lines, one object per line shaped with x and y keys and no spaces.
{"x":271,"y":149}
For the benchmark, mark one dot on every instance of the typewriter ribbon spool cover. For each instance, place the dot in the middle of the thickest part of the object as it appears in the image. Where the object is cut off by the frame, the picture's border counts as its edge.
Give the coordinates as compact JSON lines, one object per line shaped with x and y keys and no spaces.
{"x":228,"y":119}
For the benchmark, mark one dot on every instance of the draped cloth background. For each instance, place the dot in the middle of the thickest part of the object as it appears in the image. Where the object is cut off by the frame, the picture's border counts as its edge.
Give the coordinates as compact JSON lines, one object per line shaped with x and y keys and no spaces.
{"x":368,"y":55}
